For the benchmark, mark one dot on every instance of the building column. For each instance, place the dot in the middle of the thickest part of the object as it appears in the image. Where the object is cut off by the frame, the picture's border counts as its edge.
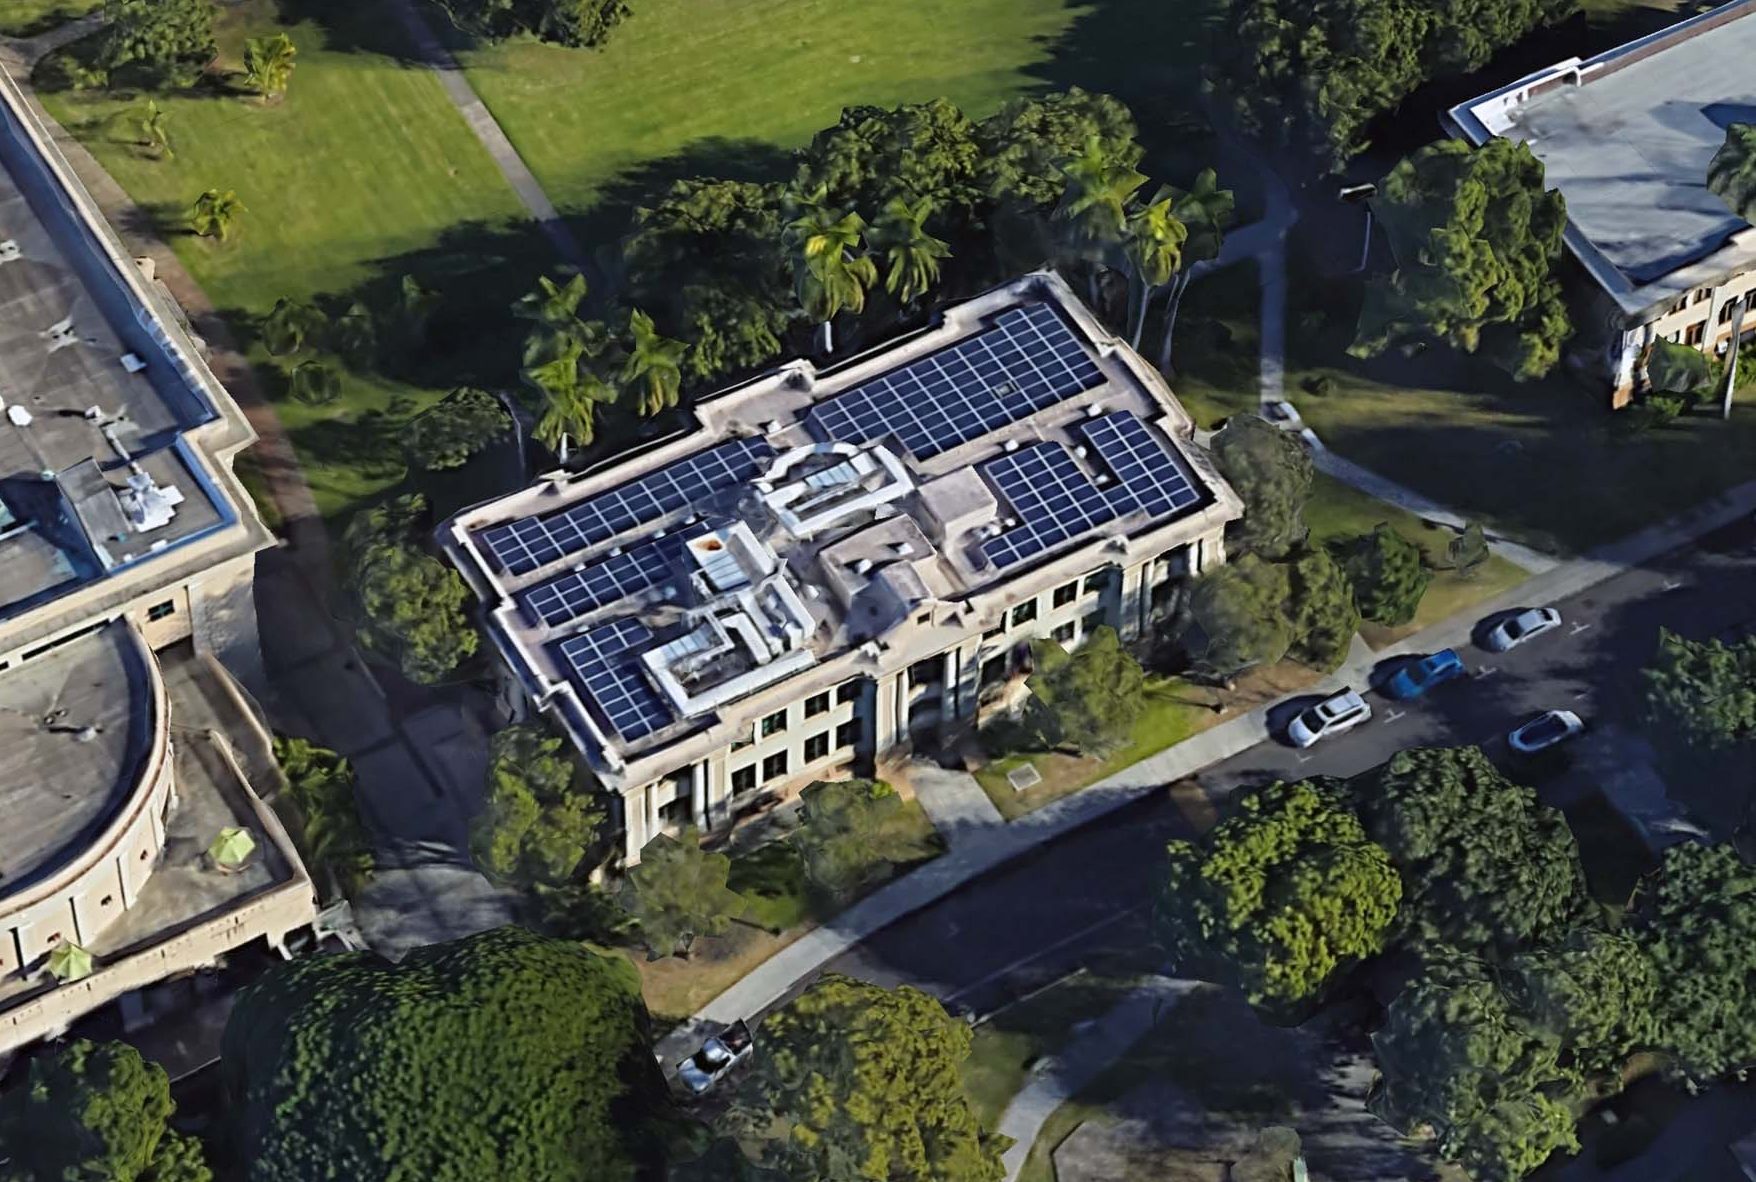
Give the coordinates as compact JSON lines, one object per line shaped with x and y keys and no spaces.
{"x":1134,"y":600}
{"x":698,"y":795}
{"x":633,"y":825}
{"x":885,"y":724}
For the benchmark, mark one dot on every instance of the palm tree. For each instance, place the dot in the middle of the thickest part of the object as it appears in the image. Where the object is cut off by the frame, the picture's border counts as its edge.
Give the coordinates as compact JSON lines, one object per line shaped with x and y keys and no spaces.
{"x":154,"y":135}
{"x":291,"y":323}
{"x":215,"y":213}
{"x":314,"y":383}
{"x":1153,"y":246}
{"x":268,"y":64}
{"x":1205,"y":210}
{"x":1095,"y":204}
{"x":555,"y":305}
{"x":913,"y":255}
{"x":415,"y":306}
{"x":831,"y":273}
{"x":571,"y":396}
{"x":655,"y":364}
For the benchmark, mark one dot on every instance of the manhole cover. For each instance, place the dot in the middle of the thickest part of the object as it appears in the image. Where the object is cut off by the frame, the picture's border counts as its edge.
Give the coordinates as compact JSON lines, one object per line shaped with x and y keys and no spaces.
{"x":1024,"y":776}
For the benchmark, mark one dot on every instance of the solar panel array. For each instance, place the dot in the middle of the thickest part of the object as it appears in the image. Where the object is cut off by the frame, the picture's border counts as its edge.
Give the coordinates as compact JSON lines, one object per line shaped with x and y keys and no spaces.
{"x":1056,"y":501}
{"x":601,"y":663}
{"x":599,"y":584}
{"x":1149,"y":476}
{"x":522,"y":546}
{"x":1029,"y":360}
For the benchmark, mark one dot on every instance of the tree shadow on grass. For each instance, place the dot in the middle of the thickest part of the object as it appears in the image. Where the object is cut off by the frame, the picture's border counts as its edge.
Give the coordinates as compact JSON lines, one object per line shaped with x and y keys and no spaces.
{"x":361,"y":26}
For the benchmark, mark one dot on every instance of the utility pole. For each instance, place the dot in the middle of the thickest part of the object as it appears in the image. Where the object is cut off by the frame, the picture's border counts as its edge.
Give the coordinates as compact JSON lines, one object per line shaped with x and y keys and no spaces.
{"x":1731,"y":378}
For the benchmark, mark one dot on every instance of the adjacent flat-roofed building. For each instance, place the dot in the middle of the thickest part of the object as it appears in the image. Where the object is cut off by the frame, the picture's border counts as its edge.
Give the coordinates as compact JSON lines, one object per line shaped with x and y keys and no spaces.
{"x":127,"y":552}
{"x":1626,"y":137}
{"x":837,"y":565}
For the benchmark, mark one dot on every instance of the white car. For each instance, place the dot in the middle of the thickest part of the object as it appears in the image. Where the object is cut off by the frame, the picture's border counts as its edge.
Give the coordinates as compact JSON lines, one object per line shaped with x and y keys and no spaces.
{"x":716,"y":1058}
{"x":1332,"y":716}
{"x":1545,"y":731}
{"x":1509,"y":634}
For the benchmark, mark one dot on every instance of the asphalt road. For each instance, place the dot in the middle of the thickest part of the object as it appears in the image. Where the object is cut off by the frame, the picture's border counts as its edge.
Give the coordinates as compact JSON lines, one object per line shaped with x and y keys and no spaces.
{"x":1090,"y":893}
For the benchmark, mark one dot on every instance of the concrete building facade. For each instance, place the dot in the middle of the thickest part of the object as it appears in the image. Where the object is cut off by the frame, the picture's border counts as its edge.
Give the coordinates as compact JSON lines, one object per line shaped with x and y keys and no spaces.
{"x":1626,"y":137}
{"x":837,"y":567}
{"x":127,"y":552}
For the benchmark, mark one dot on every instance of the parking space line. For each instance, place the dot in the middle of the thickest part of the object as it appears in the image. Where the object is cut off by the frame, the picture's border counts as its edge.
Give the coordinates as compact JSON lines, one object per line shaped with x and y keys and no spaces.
{"x":1395,"y":714}
{"x":1578,"y":628}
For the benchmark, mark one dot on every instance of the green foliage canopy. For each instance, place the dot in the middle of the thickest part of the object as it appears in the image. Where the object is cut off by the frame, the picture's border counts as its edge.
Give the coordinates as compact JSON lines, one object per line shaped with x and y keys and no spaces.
{"x":454,"y":429}
{"x":1485,"y":867}
{"x":160,"y":43}
{"x":537,"y":824}
{"x":858,"y":1082}
{"x":1597,"y":991}
{"x":1731,"y":174}
{"x":1458,"y":1058}
{"x":1320,"y":610}
{"x":1675,"y":368}
{"x":1700,"y":694}
{"x":1477,"y":241}
{"x":1088,"y":699}
{"x":678,"y":891}
{"x":1388,"y":574}
{"x":96,"y":1112}
{"x":849,"y":837}
{"x":1272,"y":472}
{"x":1279,"y":896}
{"x":500,"y":1055}
{"x":321,"y":785}
{"x":1026,"y":145}
{"x":1240,"y":609}
{"x":413,"y":604}
{"x":578,"y":24}
{"x":915,"y":151}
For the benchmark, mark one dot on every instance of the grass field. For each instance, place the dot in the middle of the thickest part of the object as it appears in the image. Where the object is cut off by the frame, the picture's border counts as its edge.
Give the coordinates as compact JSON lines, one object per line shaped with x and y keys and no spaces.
{"x":27,"y":18}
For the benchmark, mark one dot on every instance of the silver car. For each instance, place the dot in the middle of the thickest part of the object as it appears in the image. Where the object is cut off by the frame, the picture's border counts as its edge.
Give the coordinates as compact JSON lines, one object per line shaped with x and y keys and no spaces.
{"x":716,"y":1058}
{"x":1547,"y":730}
{"x":1526,"y":625}
{"x":1331,"y":716}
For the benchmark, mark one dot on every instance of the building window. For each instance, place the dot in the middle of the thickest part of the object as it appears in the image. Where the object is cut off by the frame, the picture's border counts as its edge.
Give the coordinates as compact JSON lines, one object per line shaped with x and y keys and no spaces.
{"x":817,"y":704}
{"x":848,"y":691}
{"x":1702,"y":295}
{"x":1024,"y":613}
{"x":816,"y":747}
{"x":159,"y":611}
{"x":996,"y":630}
{"x":1750,"y":298}
{"x":143,"y":855}
{"x":1693,"y":334}
{"x":1095,"y":584}
{"x":928,"y":672}
{"x":993,"y":670}
{"x":1682,"y":302}
{"x":1066,"y":594}
{"x":676,"y":812}
{"x":744,"y":779}
{"x":744,"y":740}
{"x":774,"y":724}
{"x":1092,"y":623}
{"x":774,"y":767}
{"x":1064,"y":633}
{"x":1727,"y":311}
{"x":106,"y":900}
{"x":848,"y":733}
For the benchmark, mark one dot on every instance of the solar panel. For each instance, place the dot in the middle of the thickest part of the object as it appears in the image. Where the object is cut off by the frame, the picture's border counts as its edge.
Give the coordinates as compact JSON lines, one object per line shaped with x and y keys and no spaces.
{"x":520,"y":547}
{"x":601,"y":583}
{"x":1029,"y":360}
{"x":601,"y":663}
{"x":1149,"y":475}
{"x":1054,"y":501}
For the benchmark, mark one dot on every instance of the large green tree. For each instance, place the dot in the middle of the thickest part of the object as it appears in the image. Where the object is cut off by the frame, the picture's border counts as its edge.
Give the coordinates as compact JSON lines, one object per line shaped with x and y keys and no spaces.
{"x":653,"y":368}
{"x":1697,"y":919}
{"x":1388,"y":574}
{"x":1028,"y":143}
{"x":1239,"y":611}
{"x":916,"y":151}
{"x":580,"y":24}
{"x":1477,"y":241}
{"x":413,"y":605}
{"x":1317,"y":73}
{"x":678,"y":892}
{"x":1731,"y":174}
{"x":160,"y":43}
{"x":1700,"y":695}
{"x":849,"y":835}
{"x":455,"y":429}
{"x":1595,"y":990}
{"x":857,"y":1083}
{"x":500,"y":1055}
{"x":1205,"y":210}
{"x":1320,"y":610}
{"x":1272,"y":472}
{"x":539,"y":821}
{"x":1279,"y":897}
{"x":1457,"y":1058}
{"x":94,"y":1112}
{"x":832,"y":270}
{"x":1675,"y":368}
{"x":321,"y":784}
{"x":1088,"y":699}
{"x":1485,"y":866}
{"x":911,"y":255}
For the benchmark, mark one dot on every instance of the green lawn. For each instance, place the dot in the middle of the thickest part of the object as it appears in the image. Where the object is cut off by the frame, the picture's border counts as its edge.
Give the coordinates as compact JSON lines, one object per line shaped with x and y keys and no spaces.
{"x":362,"y":172}
{"x":27,"y":18}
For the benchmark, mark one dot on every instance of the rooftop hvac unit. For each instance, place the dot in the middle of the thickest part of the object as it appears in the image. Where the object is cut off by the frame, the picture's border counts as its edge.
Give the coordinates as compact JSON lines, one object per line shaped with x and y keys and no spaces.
{"x":862,"y":566}
{"x":1094,"y":410}
{"x":1011,"y":445}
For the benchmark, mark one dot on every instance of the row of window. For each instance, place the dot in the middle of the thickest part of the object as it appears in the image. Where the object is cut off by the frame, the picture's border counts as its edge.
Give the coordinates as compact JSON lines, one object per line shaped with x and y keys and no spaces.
{"x":1063,"y":595}
{"x":774,"y":767}
{"x":816,"y":704}
{"x":1693,"y":334}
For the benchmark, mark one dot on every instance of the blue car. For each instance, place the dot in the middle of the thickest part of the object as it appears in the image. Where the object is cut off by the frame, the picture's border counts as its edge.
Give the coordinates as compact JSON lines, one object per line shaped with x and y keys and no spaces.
{"x":1417,"y":677}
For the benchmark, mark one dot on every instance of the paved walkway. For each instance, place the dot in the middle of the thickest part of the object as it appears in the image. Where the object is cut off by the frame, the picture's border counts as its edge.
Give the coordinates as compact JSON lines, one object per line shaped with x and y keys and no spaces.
{"x":987,"y":851}
{"x":488,"y":130}
{"x":1100,"y":1043}
{"x":20,"y":54}
{"x":953,"y":801}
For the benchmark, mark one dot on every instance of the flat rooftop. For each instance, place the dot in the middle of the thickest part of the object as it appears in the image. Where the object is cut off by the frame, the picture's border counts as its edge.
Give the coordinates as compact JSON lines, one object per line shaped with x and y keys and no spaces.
{"x":96,"y":472}
{"x":75,"y":725}
{"x":1626,"y":137}
{"x":816,"y":513}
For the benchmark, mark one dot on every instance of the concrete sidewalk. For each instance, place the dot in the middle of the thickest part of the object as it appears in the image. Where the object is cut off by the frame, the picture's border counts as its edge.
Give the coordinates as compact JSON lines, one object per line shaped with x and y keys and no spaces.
{"x":983,"y":852}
